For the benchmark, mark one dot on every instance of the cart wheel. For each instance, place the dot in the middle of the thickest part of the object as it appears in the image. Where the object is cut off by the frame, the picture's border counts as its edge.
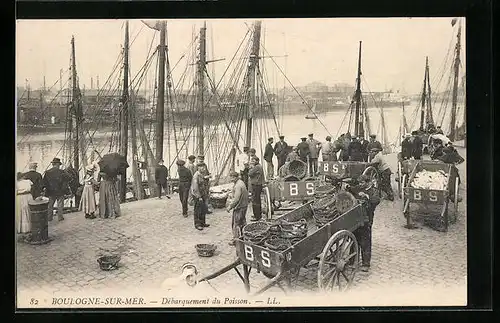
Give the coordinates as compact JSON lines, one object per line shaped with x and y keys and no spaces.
{"x":403,"y":185}
{"x":344,"y":201}
{"x":339,"y":262}
{"x":267,"y":209}
{"x":400,"y":179}
{"x":455,"y":202}
{"x":372,"y":173}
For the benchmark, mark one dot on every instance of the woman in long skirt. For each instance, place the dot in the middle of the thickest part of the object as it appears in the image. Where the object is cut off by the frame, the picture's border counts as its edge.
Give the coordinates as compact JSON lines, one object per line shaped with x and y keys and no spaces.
{"x":23,"y":221}
{"x":109,"y":204}
{"x":88,"y":200}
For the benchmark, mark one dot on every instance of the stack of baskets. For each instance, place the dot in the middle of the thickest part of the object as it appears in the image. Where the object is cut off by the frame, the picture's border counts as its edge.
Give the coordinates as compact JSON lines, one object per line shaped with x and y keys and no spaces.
{"x":256,"y":232}
{"x":325,"y":210}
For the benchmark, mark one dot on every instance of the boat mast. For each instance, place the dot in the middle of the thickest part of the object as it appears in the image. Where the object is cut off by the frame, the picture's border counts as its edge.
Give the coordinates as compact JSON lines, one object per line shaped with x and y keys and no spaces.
{"x":358,"y":124}
{"x":424,"y":96}
{"x":252,"y":67}
{"x":202,"y":61}
{"x":76,"y":150}
{"x":455,"y":85}
{"x":429,"y":117}
{"x":160,"y":113}
{"x":124,"y":113}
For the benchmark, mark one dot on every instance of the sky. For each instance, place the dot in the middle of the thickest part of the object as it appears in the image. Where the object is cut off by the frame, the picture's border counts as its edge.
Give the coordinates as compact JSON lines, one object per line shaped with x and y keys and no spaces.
{"x":319,"y":50}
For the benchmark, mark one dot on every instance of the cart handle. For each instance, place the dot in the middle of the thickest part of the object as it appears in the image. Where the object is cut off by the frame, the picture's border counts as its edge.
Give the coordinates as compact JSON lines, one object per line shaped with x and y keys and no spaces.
{"x":222,"y":271}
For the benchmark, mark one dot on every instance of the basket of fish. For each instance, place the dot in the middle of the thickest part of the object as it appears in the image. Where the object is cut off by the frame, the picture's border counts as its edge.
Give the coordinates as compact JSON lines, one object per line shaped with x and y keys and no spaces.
{"x":277,"y":244}
{"x":256,"y":232}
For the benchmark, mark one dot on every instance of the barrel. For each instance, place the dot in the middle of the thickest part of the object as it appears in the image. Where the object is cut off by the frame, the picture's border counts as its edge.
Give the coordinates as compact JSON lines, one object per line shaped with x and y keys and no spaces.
{"x":39,"y":211}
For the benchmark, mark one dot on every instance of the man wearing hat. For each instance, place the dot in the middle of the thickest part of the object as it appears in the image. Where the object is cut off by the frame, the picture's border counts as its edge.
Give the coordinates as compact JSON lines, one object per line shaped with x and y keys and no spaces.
{"x":200,"y":193}
{"x":364,"y":148}
{"x":363,"y":189}
{"x":239,"y":206}
{"x":281,"y":151}
{"x":418,"y":145}
{"x":374,"y":143}
{"x":355,"y":150}
{"x":314,"y":149}
{"x":161,"y":178}
{"x":303,"y":148}
{"x":328,"y":150}
{"x":242,"y":165}
{"x":185,"y":178}
{"x":55,"y":182}
{"x":293,"y":155}
{"x":268,"y":157}
{"x":439,"y":130}
{"x":406,"y":147}
{"x":191,"y":165}
{"x":384,"y":171}
{"x":256,"y":176}
{"x":36,"y":178}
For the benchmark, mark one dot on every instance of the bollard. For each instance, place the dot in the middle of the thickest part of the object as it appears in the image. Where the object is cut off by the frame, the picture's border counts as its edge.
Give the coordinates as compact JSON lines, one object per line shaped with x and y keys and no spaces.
{"x":39,"y":221}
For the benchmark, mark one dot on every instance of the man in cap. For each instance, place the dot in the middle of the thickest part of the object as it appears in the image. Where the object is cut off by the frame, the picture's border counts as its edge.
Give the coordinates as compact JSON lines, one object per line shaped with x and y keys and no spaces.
{"x":185,"y":178}
{"x":437,"y":151}
{"x":418,"y":145}
{"x":346,"y":141}
{"x":239,"y":205}
{"x":355,"y":150}
{"x":374,"y":143}
{"x":242,"y":165}
{"x":207,"y":176}
{"x":281,"y":151}
{"x":328,"y":150}
{"x":200,"y":193}
{"x":161,"y":178}
{"x":268,"y":157}
{"x":314,"y":149}
{"x":364,"y":191}
{"x":303,"y":148}
{"x":191,"y":164}
{"x":55,"y":183}
{"x":439,"y":130}
{"x":256,"y":176}
{"x":36,"y":178}
{"x":384,"y":171}
{"x":364,"y":148}
{"x":406,"y":147}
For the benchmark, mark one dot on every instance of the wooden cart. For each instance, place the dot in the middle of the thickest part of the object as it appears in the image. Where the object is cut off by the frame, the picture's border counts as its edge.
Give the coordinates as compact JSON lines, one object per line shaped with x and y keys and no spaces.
{"x":342,"y":171}
{"x":405,"y":167}
{"x":332,"y":248}
{"x":428,"y":197}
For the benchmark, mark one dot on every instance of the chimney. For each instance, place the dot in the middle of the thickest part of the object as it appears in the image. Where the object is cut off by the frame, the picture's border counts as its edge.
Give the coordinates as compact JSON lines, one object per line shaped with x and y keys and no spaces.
{"x":97,"y":80}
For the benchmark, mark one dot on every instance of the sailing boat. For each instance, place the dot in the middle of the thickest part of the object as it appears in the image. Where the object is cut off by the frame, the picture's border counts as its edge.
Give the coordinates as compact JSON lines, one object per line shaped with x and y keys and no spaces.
{"x":313,"y":114}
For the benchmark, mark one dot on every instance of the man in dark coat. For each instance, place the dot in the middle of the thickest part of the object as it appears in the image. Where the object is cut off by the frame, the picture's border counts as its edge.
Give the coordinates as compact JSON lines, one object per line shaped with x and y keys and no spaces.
{"x":55,"y":183}
{"x":161,"y":178}
{"x":200,"y":192}
{"x":374,"y":143}
{"x":256,"y":176}
{"x":75,"y":187}
{"x":36,"y":178}
{"x":185,"y":178}
{"x":364,"y":149}
{"x":281,"y":151}
{"x":418,"y":145}
{"x":355,"y":150}
{"x":268,"y":157}
{"x":369,"y":197}
{"x":303,"y":148}
{"x":406,"y":147}
{"x":437,"y":152}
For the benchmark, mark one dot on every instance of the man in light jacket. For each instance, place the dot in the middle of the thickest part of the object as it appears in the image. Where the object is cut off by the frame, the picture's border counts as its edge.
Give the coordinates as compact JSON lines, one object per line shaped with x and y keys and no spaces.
{"x":328,"y":150}
{"x":239,"y":206}
{"x":256,"y":176}
{"x":314,"y":148}
{"x":200,"y":192}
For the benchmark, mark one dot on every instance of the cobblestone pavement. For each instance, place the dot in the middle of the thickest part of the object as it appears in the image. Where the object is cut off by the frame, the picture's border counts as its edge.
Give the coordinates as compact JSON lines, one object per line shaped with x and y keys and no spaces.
{"x":157,"y":241}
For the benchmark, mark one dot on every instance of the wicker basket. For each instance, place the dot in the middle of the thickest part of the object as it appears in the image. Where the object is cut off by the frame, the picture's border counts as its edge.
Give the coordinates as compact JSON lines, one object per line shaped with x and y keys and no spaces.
{"x":205,"y":250}
{"x":218,"y":202}
{"x":256,"y":229}
{"x":277,"y":243}
{"x":297,"y":168}
{"x":109,"y":262}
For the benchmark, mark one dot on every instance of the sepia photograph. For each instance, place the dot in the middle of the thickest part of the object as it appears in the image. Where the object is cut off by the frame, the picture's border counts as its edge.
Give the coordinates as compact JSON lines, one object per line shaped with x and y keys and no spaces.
{"x":187,"y":163}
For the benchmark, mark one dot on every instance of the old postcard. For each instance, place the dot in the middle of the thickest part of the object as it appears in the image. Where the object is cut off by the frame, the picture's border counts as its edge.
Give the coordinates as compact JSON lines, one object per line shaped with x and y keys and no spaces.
{"x":241,"y":163}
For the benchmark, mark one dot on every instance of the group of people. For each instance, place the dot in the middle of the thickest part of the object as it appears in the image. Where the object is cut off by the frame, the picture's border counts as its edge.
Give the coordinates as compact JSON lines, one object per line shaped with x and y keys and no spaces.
{"x":308,"y":150}
{"x":57,"y":184}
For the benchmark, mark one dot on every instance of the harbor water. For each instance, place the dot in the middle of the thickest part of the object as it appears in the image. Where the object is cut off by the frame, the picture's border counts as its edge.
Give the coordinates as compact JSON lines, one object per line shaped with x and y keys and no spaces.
{"x":43,"y":147}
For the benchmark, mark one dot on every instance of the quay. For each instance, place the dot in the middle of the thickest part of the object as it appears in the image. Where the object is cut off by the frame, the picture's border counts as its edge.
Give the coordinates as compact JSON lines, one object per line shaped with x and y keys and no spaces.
{"x":157,"y":240}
